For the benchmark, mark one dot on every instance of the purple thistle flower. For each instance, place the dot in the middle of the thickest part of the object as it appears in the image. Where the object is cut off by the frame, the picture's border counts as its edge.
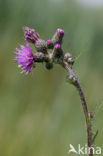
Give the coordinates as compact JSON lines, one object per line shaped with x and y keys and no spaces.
{"x":25,"y":58}
{"x":31,"y":35}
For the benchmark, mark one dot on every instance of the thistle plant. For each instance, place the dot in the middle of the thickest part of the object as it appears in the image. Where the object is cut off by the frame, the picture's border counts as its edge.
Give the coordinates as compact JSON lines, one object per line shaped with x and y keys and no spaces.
{"x":50,"y":52}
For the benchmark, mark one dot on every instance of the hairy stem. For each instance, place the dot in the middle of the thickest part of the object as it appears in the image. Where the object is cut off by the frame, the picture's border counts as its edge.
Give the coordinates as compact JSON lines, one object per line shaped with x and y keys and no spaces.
{"x":74,"y":80}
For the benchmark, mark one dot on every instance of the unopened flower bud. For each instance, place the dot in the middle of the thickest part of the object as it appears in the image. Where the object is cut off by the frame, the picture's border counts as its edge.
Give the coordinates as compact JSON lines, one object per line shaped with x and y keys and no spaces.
{"x":49,"y":65}
{"x":71,"y":79}
{"x":58,"y":36}
{"x":49,"y":44}
{"x":57,"y":46}
{"x":57,"y":50}
{"x":68,"y":58}
{"x":32,"y":36}
{"x":39,"y":57}
{"x":41,"y":46}
{"x":91,"y":115}
{"x":60,"y":32}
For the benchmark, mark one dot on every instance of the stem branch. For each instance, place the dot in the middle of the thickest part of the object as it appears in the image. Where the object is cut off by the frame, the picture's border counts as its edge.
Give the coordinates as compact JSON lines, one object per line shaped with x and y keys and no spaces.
{"x":74,"y":80}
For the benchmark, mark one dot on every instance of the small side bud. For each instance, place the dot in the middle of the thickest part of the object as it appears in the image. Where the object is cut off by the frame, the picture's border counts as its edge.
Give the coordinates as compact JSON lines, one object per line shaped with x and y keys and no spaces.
{"x":49,"y":44}
{"x":58,"y":36}
{"x":49,"y":65}
{"x":60,"y":32}
{"x":71,"y":79}
{"x":68,"y":58}
{"x":57,"y":50}
{"x":91,"y":114}
{"x":57,"y":46}
{"x":39,"y":57}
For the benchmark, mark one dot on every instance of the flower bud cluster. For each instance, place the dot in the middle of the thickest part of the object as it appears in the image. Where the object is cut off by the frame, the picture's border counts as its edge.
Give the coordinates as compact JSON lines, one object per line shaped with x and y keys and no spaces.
{"x":26,"y":58}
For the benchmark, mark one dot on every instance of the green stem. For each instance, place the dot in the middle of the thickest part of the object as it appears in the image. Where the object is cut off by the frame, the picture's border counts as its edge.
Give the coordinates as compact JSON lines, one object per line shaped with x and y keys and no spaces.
{"x":74,"y":81}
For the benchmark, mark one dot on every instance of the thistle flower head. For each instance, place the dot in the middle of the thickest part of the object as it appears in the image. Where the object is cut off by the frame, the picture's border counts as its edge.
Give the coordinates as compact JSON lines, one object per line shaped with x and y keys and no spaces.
{"x":31,"y":35}
{"x":24,"y":58}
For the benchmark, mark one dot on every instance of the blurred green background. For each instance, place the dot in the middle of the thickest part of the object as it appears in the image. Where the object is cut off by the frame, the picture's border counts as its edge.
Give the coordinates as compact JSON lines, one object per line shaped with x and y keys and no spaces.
{"x":40,"y":114}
